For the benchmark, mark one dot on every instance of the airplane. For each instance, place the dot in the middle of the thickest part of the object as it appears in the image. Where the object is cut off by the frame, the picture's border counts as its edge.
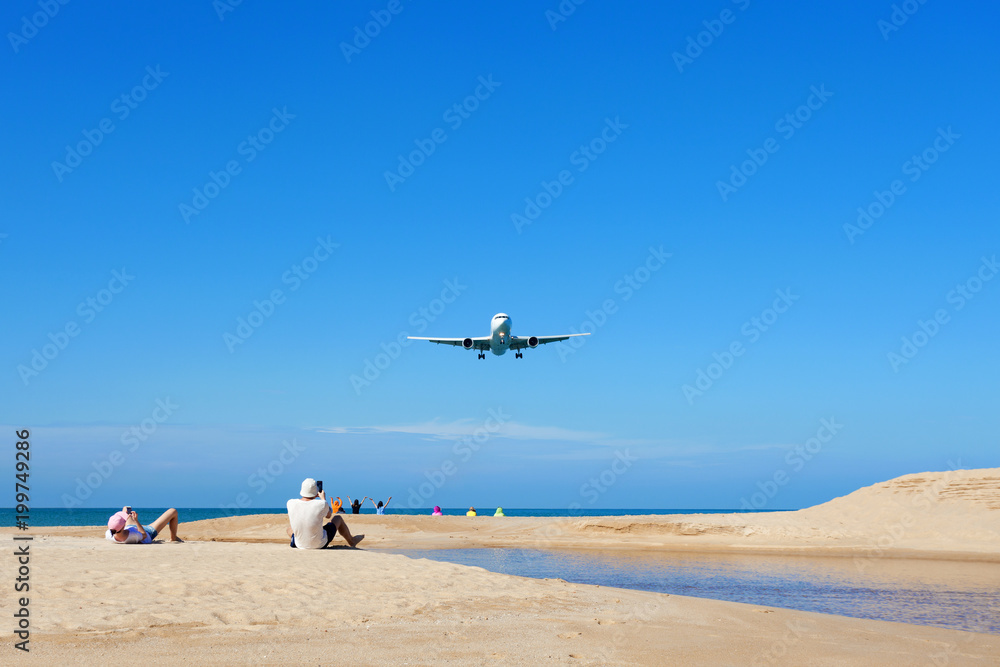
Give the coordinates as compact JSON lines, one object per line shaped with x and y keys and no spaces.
{"x":500,"y":339}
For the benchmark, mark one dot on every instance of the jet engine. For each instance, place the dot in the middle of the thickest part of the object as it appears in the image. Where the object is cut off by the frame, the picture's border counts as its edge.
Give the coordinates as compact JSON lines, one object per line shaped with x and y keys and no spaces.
{"x":467,"y":343}
{"x":533,"y":341}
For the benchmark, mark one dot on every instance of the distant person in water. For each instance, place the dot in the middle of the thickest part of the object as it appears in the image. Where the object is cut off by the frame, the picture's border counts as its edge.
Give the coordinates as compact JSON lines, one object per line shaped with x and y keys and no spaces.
{"x":471,"y":512}
{"x":124,"y":527}
{"x":306,"y":515}
{"x":437,"y":511}
{"x":499,"y":512}
{"x":356,"y":504}
{"x":380,"y":508}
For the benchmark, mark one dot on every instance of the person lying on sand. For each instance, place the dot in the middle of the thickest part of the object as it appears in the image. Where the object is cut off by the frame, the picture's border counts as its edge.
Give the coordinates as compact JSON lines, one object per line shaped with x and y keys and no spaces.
{"x":124,"y":527}
{"x":306,"y":515}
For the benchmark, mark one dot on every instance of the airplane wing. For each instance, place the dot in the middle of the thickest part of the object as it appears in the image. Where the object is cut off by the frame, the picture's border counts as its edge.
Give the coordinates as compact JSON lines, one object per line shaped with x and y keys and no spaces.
{"x":481,"y":343}
{"x":521,"y":342}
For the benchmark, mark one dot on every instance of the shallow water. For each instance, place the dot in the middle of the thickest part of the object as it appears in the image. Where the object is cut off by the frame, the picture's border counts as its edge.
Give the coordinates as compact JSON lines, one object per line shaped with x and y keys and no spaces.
{"x":948,"y":594}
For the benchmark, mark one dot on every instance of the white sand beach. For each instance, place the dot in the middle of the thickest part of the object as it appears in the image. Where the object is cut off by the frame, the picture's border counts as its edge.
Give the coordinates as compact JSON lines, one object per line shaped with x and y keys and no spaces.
{"x":236,"y":593}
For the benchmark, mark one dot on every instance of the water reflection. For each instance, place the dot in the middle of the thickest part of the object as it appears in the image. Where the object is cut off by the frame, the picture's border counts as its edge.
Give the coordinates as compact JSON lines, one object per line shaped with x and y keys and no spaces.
{"x":950,"y":594}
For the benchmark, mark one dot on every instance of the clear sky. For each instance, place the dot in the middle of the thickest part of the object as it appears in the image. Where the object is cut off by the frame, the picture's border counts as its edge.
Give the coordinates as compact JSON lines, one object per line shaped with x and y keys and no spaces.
{"x":683,"y":180}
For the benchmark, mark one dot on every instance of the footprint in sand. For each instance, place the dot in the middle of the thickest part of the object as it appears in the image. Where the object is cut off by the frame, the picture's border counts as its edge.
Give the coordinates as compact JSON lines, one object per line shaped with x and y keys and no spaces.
{"x":569,"y":635}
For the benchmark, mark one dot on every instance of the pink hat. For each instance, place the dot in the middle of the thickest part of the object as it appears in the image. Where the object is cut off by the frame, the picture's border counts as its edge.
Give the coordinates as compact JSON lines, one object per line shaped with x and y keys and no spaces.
{"x":117,"y":521}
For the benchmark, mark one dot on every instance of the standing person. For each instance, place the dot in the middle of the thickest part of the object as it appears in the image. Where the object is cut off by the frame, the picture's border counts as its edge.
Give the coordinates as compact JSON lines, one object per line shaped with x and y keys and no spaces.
{"x":380,"y":508}
{"x":124,"y":527}
{"x":356,"y":504}
{"x":306,"y":515}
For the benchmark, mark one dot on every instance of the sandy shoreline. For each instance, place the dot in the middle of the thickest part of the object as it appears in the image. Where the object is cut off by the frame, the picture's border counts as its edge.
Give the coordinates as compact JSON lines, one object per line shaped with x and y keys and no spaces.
{"x":951,"y":515}
{"x":236,"y":593}
{"x":225,"y":603}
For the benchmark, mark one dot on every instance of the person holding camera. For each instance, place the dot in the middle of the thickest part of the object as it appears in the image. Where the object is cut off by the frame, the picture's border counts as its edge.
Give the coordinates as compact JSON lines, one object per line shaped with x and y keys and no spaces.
{"x":306,"y":516}
{"x":124,"y":527}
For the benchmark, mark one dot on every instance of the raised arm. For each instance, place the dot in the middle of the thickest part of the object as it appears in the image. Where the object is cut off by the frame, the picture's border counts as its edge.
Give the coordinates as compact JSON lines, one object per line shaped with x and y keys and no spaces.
{"x":329,"y":508}
{"x":386,"y":503}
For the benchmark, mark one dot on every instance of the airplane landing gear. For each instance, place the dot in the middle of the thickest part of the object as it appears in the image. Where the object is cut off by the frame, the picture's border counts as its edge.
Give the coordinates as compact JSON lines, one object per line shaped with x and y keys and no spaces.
{"x":482,"y":355}
{"x":518,"y":355}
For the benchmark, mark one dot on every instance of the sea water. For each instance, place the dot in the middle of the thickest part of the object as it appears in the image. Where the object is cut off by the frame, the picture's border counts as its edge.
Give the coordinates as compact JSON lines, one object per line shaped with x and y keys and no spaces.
{"x":949,"y":594}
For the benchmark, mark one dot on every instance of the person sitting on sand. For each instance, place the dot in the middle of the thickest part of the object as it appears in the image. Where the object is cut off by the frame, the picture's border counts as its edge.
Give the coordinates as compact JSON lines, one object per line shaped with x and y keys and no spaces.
{"x":380,"y":508}
{"x":356,"y":504}
{"x":471,"y":512}
{"x":124,"y":527}
{"x":306,"y":515}
{"x":437,"y":511}
{"x":499,"y":512}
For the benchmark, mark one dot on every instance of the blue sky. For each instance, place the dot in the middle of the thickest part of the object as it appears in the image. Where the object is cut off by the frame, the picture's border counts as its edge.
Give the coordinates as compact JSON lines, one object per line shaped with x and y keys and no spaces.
{"x":281,"y":138}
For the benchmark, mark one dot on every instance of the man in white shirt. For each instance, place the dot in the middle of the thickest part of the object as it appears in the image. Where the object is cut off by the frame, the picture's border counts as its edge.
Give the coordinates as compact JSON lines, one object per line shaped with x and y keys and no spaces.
{"x":306,"y":515}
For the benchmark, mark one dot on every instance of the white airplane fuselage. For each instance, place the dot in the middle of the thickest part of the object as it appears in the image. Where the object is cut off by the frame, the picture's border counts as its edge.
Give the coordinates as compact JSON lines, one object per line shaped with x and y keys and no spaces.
{"x":500,"y":339}
{"x":499,"y":334}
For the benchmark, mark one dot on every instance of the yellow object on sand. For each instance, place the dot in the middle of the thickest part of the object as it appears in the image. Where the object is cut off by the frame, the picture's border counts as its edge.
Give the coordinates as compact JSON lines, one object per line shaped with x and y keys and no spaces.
{"x":471,"y":512}
{"x":499,"y":512}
